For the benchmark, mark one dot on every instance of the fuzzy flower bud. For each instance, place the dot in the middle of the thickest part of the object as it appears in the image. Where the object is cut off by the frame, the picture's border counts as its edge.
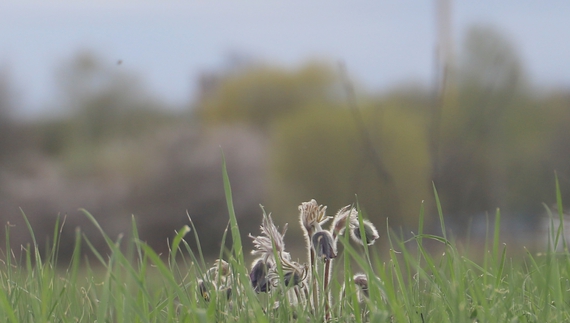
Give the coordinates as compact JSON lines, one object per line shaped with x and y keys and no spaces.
{"x":258,"y":276}
{"x":369,"y":230}
{"x":324,"y":245}
{"x":361,"y":282}
{"x":347,"y":213}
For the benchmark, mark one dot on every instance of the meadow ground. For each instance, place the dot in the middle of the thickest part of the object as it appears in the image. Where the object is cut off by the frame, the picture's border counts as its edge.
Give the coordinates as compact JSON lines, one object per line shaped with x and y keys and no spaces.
{"x":132,"y":283}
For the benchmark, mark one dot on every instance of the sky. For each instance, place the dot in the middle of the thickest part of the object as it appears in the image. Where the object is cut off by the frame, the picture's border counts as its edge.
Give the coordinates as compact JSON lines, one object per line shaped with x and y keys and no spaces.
{"x":168,"y":43}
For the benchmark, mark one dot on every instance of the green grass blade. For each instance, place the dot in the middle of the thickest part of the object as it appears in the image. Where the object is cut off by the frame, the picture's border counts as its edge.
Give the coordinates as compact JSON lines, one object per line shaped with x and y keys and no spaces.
{"x":560,"y":215}
{"x":497,"y":231}
{"x":439,"y":212}
{"x":421,"y":223}
{"x":176,"y":242}
{"x":53,"y":252}
{"x":237,"y":247}
{"x":236,"y":238}
{"x":37,"y":256}
{"x":7,"y":307}
{"x":499,"y":275}
{"x":198,"y":245}
{"x":164,"y":270}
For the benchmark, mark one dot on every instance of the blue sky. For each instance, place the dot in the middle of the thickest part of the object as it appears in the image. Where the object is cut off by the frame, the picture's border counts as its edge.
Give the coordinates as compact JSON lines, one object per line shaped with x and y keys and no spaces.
{"x":167,"y":43}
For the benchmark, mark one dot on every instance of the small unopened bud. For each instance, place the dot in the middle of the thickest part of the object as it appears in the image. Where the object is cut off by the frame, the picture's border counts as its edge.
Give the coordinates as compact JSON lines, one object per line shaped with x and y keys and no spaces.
{"x":363,"y":288}
{"x":258,"y":277}
{"x":369,"y":231}
{"x":222,"y":267}
{"x":361,"y":282}
{"x":324,"y":245}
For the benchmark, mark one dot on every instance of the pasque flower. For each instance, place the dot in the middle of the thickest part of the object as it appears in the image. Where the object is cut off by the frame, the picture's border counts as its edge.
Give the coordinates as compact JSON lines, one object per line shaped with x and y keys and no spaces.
{"x":347,"y":213}
{"x":312,"y":217}
{"x":308,"y":285}
{"x":361,"y":283}
{"x":270,"y":243}
{"x":217,"y":278}
{"x":370,"y":232}
{"x":324,"y":245}
{"x":258,"y":276}
{"x":270,"y":238}
{"x":273,"y":270}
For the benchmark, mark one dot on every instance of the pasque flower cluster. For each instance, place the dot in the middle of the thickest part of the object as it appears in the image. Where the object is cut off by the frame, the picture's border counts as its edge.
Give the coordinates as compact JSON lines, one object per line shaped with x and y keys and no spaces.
{"x":274,"y":271}
{"x":306,"y":284}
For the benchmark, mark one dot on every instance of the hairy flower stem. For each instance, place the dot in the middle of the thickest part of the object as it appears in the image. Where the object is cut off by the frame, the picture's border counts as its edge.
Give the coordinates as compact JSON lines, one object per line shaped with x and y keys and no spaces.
{"x":312,"y":264}
{"x":328,"y":263}
{"x":297,"y":295}
{"x":307,"y":297}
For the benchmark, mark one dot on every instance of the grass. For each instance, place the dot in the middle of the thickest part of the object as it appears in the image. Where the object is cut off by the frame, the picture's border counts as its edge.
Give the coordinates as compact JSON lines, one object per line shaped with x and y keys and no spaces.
{"x":132,"y":283}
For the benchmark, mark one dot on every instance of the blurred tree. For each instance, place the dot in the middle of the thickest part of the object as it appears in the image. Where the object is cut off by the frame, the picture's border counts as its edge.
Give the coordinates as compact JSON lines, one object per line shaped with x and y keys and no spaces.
{"x":485,"y":129}
{"x":104,"y":104}
{"x":319,"y":154}
{"x":556,"y":109}
{"x":7,"y":107}
{"x":110,"y":100}
{"x":489,"y":61}
{"x":260,"y":94}
{"x":318,"y":149}
{"x":124,"y":153}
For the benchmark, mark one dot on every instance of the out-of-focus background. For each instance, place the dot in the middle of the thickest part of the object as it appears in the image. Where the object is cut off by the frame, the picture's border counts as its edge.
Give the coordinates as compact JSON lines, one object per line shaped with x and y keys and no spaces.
{"x":123,"y":108}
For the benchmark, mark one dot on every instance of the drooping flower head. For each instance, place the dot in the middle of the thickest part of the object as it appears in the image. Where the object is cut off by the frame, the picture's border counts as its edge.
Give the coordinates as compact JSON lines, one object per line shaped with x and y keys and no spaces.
{"x":258,"y":276}
{"x":347,"y":213}
{"x":370,"y":232}
{"x":294,"y":274}
{"x":324,"y":245}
